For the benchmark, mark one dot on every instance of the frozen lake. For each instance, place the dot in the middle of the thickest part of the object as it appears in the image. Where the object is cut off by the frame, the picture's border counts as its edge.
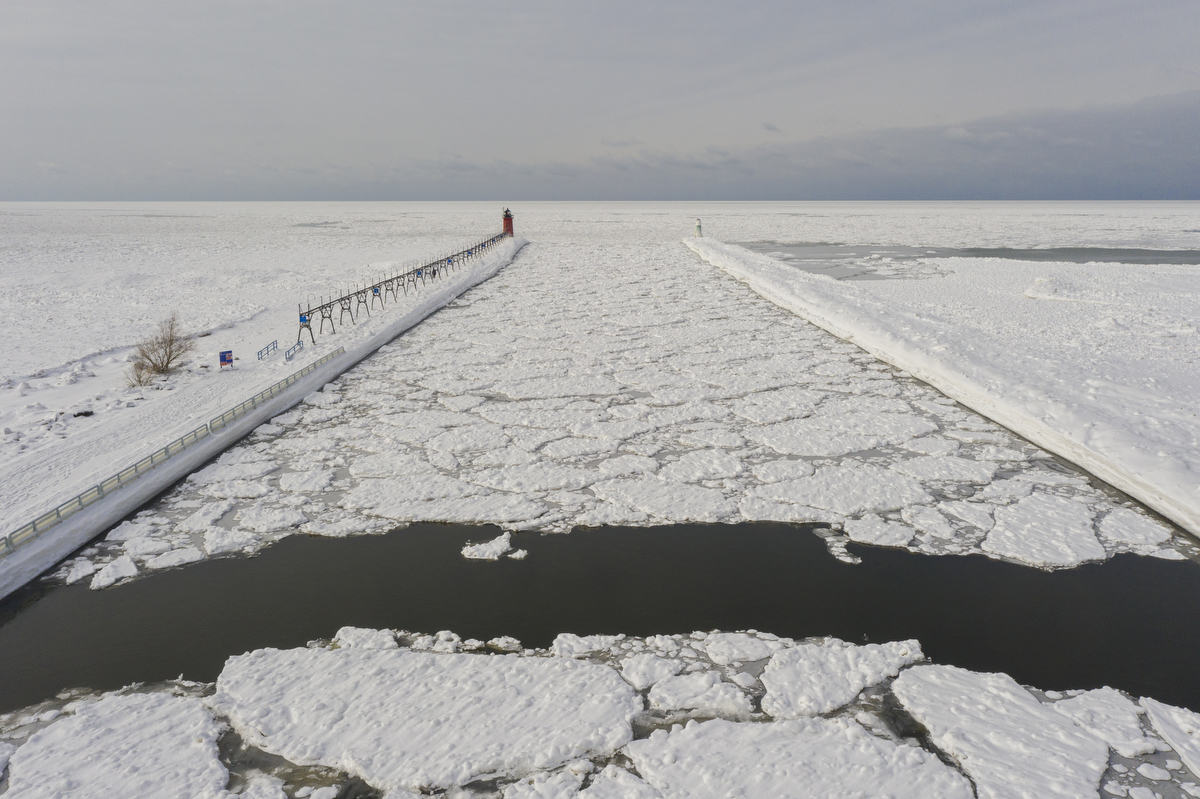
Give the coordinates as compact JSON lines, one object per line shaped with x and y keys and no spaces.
{"x":594,"y":385}
{"x":1122,"y":623}
{"x":647,"y":448}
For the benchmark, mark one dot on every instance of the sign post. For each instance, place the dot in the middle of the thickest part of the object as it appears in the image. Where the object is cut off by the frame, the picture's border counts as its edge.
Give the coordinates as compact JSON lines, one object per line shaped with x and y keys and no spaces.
{"x":226,"y":359}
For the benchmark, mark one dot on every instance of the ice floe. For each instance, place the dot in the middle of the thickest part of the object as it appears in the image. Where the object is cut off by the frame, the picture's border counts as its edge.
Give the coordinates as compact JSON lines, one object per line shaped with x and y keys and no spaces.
{"x":1045,"y":530}
{"x":1111,"y":717}
{"x":726,"y":648}
{"x":1179,"y":727}
{"x":789,"y":759}
{"x":402,"y":719}
{"x":615,"y":783}
{"x":644,"y":670}
{"x":489,"y":550}
{"x":1009,"y":743}
{"x":703,"y":691}
{"x":412,"y":713}
{"x":145,"y":745}
{"x":812,"y":679}
{"x":118,"y":569}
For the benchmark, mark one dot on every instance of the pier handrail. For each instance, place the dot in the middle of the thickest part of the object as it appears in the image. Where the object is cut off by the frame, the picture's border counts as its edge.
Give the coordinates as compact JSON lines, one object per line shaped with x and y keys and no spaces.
{"x":31,"y":530}
{"x":421,"y":270}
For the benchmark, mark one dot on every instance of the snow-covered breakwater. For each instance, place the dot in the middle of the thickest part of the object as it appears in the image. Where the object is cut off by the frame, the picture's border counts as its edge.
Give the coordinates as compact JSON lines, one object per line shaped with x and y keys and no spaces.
{"x":27,"y":532}
{"x":706,"y":714}
{"x":41,"y":553}
{"x":1109,"y":422}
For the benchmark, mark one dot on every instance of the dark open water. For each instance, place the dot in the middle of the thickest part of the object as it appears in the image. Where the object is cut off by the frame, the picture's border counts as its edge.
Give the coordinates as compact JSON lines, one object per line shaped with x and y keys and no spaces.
{"x":852,"y":261}
{"x":1131,"y":622}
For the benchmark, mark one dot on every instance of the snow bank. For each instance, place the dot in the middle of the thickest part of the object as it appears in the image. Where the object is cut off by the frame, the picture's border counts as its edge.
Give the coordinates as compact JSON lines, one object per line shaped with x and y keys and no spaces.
{"x":419,"y":721}
{"x":1112,"y":424}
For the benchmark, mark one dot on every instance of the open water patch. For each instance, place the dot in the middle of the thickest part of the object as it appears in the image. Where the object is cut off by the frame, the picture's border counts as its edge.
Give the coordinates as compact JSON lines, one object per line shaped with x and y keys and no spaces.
{"x":876,"y":262}
{"x":1129,"y":622}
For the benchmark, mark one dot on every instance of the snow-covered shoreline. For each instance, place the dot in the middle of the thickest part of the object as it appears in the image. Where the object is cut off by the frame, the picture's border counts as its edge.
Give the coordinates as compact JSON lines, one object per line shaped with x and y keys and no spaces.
{"x":1085,"y":424}
{"x":38,"y":555}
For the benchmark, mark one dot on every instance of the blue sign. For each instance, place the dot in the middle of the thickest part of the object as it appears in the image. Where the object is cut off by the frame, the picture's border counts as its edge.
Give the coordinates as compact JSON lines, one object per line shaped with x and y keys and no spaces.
{"x":227,"y":359}
{"x":377,"y":291}
{"x":304,"y":319}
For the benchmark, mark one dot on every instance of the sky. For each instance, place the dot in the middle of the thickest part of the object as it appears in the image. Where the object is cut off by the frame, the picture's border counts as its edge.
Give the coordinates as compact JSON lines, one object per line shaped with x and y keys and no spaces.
{"x":394,"y":100}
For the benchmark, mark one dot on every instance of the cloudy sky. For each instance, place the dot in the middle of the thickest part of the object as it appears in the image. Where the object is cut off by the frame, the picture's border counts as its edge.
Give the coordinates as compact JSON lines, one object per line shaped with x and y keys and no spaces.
{"x":383,"y":99}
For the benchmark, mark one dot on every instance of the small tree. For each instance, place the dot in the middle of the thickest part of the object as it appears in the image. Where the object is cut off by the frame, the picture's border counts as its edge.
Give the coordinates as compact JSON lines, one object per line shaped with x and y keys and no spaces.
{"x":160,"y":354}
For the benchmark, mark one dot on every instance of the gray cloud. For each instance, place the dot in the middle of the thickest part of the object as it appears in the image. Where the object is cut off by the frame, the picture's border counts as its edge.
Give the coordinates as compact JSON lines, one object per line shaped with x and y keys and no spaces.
{"x":306,"y":100}
{"x":1144,"y":150}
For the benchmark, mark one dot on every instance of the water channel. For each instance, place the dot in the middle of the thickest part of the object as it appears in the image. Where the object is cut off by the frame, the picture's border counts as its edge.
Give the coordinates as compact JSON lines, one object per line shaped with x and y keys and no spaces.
{"x":1129,"y":622}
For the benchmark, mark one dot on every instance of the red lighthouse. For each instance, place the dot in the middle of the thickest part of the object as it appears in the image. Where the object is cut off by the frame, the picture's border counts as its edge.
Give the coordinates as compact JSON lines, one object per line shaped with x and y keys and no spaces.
{"x":508,"y":222}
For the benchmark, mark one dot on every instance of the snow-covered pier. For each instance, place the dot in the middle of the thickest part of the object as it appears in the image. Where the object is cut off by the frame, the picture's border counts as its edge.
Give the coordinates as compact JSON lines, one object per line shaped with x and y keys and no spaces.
{"x":1121,"y":419}
{"x":412,"y":277}
{"x":30,"y":550}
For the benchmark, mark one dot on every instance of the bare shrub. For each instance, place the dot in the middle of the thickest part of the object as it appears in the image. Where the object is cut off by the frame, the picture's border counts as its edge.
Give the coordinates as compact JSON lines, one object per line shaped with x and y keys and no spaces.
{"x":138,"y":375}
{"x":160,"y":354}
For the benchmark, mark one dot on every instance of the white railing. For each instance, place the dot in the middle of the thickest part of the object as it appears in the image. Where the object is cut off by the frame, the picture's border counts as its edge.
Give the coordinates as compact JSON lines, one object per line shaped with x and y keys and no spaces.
{"x":31,"y":530}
